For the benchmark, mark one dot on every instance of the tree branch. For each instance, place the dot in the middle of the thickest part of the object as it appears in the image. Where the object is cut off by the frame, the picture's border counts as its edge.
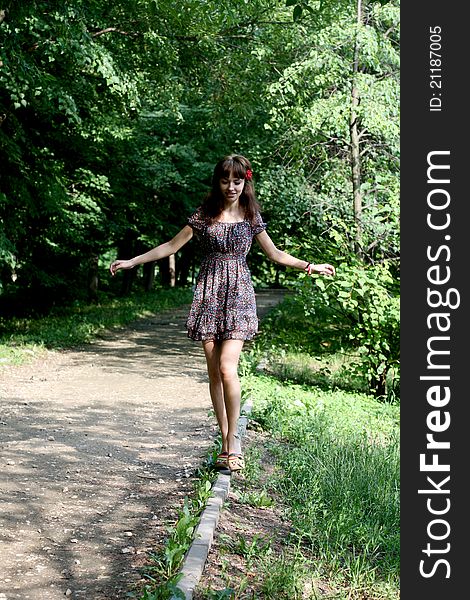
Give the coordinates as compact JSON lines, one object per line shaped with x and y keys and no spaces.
{"x":108,"y":30}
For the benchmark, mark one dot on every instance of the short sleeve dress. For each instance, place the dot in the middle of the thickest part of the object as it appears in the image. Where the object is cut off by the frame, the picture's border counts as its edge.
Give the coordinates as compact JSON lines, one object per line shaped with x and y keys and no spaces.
{"x":224,"y":305}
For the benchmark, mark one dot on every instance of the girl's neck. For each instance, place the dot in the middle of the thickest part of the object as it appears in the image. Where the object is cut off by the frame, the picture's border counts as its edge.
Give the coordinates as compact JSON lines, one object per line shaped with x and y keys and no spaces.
{"x":231,"y":214}
{"x":233,"y":210}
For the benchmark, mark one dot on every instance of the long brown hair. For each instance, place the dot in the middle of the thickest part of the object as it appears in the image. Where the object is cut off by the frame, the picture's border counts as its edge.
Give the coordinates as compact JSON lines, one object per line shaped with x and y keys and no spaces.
{"x":235,"y":165}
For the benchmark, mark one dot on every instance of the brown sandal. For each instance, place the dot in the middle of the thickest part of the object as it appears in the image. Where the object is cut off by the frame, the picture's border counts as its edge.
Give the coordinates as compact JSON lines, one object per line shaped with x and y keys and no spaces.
{"x":221,"y":462}
{"x":236,"y":462}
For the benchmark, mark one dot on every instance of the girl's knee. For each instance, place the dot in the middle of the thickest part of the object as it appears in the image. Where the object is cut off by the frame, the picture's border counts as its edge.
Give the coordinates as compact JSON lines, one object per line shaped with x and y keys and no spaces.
{"x":228,"y":371}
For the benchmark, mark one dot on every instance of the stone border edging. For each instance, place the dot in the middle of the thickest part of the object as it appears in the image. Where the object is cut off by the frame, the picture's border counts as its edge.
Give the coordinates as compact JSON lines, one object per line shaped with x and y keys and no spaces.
{"x":196,"y":556}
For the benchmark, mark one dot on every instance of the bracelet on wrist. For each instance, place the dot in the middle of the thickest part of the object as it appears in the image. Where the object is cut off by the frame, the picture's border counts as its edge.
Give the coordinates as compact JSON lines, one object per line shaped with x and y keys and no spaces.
{"x":308,"y":268}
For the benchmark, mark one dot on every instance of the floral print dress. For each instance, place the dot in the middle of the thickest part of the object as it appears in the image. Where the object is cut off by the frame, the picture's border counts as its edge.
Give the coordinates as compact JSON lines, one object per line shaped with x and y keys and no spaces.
{"x":224,"y":305}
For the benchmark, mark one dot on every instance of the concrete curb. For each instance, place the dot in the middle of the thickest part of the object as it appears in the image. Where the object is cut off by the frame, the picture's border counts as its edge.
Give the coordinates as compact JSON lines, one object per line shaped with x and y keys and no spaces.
{"x":196,"y":556}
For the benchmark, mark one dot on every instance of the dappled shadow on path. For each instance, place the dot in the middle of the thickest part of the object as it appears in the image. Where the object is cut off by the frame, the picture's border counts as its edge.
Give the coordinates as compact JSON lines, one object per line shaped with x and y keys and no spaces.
{"x":84,"y":491}
{"x":97,"y":450}
{"x":156,"y":348}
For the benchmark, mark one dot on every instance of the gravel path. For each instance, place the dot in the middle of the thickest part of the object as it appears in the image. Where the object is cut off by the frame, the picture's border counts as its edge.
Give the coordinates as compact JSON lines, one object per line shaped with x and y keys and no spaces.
{"x":97,"y":449}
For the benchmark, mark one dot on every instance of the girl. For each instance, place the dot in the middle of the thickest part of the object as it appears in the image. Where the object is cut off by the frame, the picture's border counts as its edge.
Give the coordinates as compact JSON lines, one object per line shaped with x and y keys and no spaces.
{"x":223,"y":312}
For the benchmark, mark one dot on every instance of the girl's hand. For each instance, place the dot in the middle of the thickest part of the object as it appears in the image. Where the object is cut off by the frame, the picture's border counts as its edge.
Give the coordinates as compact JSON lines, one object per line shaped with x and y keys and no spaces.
{"x":323,"y":269}
{"x":120,"y":264}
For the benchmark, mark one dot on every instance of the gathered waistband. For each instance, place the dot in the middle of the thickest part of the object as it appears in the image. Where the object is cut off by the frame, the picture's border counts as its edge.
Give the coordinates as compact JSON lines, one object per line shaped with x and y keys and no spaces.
{"x":224,"y":256}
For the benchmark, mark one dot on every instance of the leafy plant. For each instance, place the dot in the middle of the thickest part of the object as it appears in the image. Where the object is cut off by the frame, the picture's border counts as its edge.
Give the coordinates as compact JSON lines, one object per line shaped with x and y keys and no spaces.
{"x":225,"y":594}
{"x":162,"y":573}
{"x":363,"y":310}
{"x":258,"y":499}
{"x":255,"y":548}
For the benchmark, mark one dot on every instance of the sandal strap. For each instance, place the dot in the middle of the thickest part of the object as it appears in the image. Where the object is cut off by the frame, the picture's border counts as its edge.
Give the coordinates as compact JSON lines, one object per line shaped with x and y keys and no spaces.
{"x":236,"y":462}
{"x":221,"y":460}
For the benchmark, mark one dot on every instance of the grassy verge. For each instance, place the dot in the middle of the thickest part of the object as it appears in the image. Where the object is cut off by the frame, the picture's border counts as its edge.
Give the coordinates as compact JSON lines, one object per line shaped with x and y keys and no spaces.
{"x":295,"y":347}
{"x":338,"y":459}
{"x":316,"y":512}
{"x":22,"y":339}
{"x":332,"y":453}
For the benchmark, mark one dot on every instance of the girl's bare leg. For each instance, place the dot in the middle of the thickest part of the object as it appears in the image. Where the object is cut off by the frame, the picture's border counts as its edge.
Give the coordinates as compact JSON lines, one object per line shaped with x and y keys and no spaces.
{"x":224,"y":386}
{"x":212,"y":352}
{"x":229,"y":357}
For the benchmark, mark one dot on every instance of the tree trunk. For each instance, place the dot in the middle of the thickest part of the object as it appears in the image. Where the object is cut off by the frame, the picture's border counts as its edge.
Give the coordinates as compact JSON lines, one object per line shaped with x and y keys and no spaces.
{"x":184,"y":267}
{"x":126,"y":250}
{"x":172,"y":269}
{"x":149,"y":275}
{"x":93,"y":279}
{"x":379,"y":385}
{"x":166,"y":268}
{"x":355,"y":141}
{"x":164,"y":271}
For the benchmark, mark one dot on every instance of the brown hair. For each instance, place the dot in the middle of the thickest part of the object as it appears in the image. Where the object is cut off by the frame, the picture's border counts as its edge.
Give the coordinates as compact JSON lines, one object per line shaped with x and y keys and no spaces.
{"x":235,"y":165}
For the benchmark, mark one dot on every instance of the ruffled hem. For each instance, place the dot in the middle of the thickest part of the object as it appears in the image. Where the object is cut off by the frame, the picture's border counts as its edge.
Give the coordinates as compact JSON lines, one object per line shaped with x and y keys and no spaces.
{"x":232,"y":327}
{"x":199,"y":336}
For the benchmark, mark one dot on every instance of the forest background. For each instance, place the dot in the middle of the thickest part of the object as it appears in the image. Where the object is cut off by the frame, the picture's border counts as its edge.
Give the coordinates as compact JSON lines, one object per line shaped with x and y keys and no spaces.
{"x":112,"y":115}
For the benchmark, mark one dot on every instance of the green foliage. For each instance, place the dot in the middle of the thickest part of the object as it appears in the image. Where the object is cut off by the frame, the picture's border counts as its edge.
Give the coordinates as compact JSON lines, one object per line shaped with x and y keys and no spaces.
{"x":342,"y":331}
{"x":257,"y":499}
{"x":110,"y":126}
{"x":310,"y":123}
{"x":257,"y":547}
{"x":286,"y":577}
{"x":349,"y":413}
{"x":225,"y":594}
{"x":339,"y":455}
{"x":296,"y":221}
{"x":363,"y":311}
{"x":162,"y":573}
{"x":81,"y":323}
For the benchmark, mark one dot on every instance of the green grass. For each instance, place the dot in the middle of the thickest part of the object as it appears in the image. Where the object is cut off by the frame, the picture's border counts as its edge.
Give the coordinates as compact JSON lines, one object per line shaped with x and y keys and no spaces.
{"x":288,"y":578}
{"x":294,"y":347}
{"x":338,"y":454}
{"x":21,"y":339}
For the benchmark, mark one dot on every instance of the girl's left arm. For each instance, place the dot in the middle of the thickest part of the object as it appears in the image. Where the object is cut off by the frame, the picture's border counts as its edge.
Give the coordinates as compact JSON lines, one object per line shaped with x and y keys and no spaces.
{"x":282,"y":258}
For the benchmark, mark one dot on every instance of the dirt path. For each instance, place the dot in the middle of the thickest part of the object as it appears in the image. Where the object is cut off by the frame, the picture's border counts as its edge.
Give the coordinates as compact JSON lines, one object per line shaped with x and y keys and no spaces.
{"x":97,"y":448}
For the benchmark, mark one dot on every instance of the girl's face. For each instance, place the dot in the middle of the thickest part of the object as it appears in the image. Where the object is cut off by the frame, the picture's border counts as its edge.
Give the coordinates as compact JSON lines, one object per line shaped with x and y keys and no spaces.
{"x":231,"y":188}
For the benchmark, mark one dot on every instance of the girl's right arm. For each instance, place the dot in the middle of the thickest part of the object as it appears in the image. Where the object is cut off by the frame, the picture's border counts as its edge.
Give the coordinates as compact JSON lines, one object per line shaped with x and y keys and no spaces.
{"x":157,"y":253}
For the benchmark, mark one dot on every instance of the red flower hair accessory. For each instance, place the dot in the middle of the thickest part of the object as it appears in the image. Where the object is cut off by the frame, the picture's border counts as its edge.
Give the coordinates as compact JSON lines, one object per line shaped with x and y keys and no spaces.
{"x":249,"y":175}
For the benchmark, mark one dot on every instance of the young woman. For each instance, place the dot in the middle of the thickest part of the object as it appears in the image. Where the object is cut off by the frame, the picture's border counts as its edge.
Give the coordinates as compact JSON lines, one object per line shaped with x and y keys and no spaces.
{"x":223,"y":312}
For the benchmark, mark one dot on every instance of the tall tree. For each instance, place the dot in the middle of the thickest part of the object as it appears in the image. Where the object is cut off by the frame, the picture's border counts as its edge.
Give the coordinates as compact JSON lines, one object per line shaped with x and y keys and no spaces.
{"x":334,"y":115}
{"x":355,"y":136}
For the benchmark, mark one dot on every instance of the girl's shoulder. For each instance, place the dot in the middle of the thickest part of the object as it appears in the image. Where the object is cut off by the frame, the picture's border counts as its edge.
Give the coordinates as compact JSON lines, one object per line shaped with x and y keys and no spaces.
{"x":197,"y":220}
{"x":258,"y":225}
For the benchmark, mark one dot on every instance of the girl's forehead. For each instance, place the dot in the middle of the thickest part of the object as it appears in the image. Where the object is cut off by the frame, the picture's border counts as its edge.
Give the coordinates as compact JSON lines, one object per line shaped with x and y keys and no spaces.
{"x":232,"y":173}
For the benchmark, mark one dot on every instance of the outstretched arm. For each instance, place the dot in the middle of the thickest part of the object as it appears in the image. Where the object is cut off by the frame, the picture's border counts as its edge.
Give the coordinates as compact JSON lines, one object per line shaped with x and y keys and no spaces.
{"x":282,"y":258}
{"x":157,"y":253}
